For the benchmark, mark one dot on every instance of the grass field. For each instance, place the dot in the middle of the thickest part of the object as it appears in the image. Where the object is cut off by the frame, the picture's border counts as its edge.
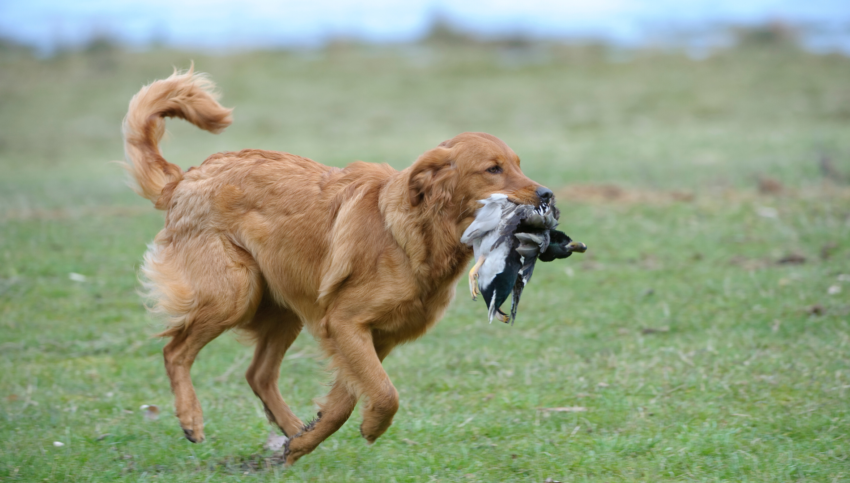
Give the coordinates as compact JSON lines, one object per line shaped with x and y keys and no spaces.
{"x":705,"y":333}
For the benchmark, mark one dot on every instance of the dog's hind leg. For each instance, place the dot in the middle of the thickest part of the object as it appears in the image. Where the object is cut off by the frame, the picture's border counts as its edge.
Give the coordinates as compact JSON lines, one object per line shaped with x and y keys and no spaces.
{"x":206,"y":286}
{"x":274,"y":329}
{"x":179,"y":354}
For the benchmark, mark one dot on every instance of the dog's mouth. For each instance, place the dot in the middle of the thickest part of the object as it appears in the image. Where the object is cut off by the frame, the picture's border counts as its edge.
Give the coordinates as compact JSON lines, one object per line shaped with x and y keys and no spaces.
{"x":544,"y":208}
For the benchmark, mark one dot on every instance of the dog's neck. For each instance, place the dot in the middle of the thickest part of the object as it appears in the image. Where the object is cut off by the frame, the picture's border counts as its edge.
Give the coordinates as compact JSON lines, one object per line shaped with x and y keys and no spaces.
{"x":430,"y":236}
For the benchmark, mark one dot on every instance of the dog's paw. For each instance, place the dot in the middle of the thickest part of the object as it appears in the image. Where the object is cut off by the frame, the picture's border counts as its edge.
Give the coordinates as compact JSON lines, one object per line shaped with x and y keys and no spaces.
{"x":194,"y":436}
{"x":370,"y":437}
{"x":369,"y":440}
{"x":275,"y":442}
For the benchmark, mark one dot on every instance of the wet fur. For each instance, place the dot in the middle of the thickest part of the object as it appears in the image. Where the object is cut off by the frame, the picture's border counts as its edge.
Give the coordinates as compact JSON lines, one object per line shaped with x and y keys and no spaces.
{"x":364,"y":257}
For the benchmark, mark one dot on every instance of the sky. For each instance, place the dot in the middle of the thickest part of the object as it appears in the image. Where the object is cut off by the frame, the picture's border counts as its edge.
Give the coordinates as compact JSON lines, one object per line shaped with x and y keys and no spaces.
{"x":217,"y":24}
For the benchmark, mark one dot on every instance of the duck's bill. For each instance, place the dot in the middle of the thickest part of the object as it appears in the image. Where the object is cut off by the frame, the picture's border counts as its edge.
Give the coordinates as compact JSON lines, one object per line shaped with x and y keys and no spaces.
{"x":575,"y":246}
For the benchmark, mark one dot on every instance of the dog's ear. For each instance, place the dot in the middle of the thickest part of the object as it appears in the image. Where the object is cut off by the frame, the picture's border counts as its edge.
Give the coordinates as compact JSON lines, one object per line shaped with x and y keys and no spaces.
{"x":433,"y":178}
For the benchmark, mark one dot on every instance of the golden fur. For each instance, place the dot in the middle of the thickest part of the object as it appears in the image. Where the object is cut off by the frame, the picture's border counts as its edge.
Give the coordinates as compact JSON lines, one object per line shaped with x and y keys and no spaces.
{"x":364,"y":257}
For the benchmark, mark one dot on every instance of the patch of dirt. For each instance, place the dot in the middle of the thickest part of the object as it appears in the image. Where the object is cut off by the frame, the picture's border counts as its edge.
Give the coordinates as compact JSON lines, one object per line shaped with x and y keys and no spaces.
{"x":246,"y":465}
{"x":827,"y":250}
{"x":65,"y":213}
{"x":816,"y":309}
{"x":746,"y":263}
{"x":615,"y":194}
{"x":750,"y":263}
{"x":610,"y":193}
{"x":770,"y":186}
{"x":792,"y":259}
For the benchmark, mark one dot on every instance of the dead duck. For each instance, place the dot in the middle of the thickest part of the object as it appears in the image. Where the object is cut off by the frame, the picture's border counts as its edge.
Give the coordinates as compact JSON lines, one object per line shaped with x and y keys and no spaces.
{"x":507,"y":240}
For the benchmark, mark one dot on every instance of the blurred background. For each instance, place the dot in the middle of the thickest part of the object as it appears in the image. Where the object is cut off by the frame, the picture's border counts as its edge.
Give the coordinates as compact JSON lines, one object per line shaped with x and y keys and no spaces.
{"x":699,"y":25}
{"x":680,"y":95}
{"x":700,"y":148}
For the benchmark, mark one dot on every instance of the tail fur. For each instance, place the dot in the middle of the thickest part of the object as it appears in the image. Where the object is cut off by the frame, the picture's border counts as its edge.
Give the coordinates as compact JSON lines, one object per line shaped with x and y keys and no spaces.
{"x":186,"y":95}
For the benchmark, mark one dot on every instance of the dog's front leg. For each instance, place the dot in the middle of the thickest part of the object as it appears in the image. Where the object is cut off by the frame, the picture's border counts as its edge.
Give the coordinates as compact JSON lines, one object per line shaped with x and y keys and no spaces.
{"x":359,"y":373}
{"x":333,"y":413}
{"x":359,"y":364}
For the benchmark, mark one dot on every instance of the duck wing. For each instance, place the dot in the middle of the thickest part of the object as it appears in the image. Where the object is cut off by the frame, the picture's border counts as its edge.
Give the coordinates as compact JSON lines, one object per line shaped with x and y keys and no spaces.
{"x":512,"y":216}
{"x":530,"y":246}
{"x":487,"y":219}
{"x":522,"y":279}
{"x":498,"y":277}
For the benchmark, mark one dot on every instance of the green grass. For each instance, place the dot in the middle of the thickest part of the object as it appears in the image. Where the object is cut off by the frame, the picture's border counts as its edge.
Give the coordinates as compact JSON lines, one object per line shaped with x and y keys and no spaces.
{"x":693,"y":350}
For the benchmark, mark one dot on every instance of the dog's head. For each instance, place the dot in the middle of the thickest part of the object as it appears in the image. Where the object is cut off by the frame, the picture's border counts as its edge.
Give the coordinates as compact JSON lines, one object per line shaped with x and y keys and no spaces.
{"x":471,"y":167}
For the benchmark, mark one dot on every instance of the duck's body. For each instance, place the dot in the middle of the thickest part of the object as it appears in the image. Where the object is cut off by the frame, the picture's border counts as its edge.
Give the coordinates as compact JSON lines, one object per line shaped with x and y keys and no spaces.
{"x":505,"y":258}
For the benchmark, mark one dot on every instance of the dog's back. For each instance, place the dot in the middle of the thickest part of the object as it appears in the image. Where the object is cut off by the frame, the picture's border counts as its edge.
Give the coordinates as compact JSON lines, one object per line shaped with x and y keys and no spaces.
{"x":239,"y":221}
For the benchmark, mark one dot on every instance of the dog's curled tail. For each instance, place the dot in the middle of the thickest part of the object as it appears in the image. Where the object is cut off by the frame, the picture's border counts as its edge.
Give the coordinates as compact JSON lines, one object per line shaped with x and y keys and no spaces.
{"x":186,"y":95}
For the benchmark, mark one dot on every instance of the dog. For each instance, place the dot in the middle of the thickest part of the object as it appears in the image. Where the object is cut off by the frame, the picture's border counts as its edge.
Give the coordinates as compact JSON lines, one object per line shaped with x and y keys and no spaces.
{"x":364,"y":257}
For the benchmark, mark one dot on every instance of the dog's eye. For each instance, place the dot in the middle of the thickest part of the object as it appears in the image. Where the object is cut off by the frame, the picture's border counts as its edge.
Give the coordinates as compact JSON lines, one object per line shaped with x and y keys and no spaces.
{"x":495,"y":170}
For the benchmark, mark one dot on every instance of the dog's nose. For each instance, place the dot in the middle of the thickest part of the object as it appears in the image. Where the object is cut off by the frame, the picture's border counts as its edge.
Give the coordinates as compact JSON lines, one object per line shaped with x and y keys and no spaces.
{"x":545,"y":194}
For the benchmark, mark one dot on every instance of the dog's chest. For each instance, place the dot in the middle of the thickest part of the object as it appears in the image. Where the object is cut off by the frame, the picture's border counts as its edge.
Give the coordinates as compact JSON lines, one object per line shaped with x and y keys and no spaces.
{"x":414,"y":317}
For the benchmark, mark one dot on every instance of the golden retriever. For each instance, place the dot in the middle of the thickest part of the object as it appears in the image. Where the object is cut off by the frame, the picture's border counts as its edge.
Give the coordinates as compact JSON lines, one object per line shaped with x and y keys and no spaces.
{"x":364,"y":257}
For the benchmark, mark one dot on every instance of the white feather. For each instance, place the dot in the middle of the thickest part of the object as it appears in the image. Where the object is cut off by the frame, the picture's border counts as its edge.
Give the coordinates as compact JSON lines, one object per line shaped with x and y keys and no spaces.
{"x":495,"y":262}
{"x":487,"y":218}
{"x":491,"y":312}
{"x":483,"y":233}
